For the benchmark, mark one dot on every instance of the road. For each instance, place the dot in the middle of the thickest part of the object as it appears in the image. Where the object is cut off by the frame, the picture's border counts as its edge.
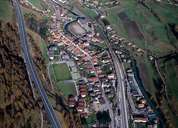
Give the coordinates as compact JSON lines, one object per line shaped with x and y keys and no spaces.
{"x":121,"y":121}
{"x":121,"y":93}
{"x":31,"y":69}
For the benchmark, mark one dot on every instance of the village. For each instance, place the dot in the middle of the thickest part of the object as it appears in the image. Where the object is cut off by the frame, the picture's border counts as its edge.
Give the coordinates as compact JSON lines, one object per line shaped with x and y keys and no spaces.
{"x":76,"y":42}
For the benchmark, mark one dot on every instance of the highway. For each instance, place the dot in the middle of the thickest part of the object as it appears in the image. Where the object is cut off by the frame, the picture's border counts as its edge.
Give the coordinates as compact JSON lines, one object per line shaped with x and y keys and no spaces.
{"x":31,"y":69}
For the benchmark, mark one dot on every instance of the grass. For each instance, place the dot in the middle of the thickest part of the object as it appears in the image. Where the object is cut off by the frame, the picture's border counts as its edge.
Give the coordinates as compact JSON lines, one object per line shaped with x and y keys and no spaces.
{"x":112,"y":17}
{"x":170,"y":116}
{"x":41,"y":44}
{"x":147,"y":74}
{"x":5,"y":10}
{"x":90,"y":13}
{"x":43,"y":48}
{"x":66,"y":88}
{"x":29,"y":12}
{"x":91,"y":119}
{"x":38,"y":3}
{"x":61,"y":72}
{"x":170,"y":70}
{"x":165,"y":11}
{"x":85,"y":10}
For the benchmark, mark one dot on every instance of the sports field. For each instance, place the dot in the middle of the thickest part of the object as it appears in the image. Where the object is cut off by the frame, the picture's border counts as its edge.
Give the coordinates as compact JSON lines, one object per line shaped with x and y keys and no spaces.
{"x":61,"y":72}
{"x":61,"y":75}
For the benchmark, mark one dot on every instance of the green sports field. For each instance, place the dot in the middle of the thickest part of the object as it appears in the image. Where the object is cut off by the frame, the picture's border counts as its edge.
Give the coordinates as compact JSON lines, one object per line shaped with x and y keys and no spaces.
{"x":61,"y":72}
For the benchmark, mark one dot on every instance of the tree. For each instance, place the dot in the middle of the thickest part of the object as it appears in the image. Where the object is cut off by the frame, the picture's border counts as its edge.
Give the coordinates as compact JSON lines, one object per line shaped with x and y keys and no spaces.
{"x":103,"y":117}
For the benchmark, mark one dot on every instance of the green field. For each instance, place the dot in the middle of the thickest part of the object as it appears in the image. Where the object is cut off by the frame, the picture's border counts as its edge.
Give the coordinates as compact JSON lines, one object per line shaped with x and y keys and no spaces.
{"x":61,"y":72}
{"x":66,"y":88}
{"x":90,"y":120}
{"x":5,"y":10}
{"x":38,"y":3}
{"x":170,"y":70}
{"x":43,"y":48}
{"x":90,"y":13}
{"x":85,"y":10}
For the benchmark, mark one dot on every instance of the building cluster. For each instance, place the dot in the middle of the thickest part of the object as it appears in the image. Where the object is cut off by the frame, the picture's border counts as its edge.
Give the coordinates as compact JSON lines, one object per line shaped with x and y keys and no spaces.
{"x":121,"y":45}
{"x":97,"y":82}
{"x":141,"y":112}
{"x":95,"y":66}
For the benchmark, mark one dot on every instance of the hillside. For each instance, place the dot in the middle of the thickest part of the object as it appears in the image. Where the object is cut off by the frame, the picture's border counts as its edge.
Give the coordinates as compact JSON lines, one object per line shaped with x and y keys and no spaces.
{"x":18,"y":108}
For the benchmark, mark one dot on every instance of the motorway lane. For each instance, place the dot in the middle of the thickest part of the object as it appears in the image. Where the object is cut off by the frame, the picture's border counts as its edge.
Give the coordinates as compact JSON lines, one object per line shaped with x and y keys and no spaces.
{"x":32,"y":69}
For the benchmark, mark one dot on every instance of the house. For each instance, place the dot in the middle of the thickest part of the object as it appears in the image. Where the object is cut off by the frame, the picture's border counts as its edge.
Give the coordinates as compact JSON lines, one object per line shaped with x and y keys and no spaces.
{"x":140,"y":118}
{"x":141,"y":103}
{"x":52,"y":49}
{"x":83,"y":91}
{"x":80,"y":105}
{"x":93,"y":79}
{"x":71,"y":101}
{"x":111,"y":76}
{"x":83,"y":94}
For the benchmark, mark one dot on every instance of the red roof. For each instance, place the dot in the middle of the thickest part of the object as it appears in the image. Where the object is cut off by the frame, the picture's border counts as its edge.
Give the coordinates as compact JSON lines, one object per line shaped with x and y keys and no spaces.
{"x":71,"y":101}
{"x":83,"y":92}
{"x":81,"y":104}
{"x":81,"y":100}
{"x":80,"y":108}
{"x":82,"y":89}
{"x":94,"y":79}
